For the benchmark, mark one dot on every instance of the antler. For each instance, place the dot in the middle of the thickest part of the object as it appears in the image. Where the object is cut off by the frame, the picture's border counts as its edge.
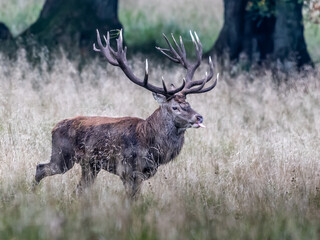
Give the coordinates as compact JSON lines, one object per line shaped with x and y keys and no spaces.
{"x":179,"y":56}
{"x":119,"y":58}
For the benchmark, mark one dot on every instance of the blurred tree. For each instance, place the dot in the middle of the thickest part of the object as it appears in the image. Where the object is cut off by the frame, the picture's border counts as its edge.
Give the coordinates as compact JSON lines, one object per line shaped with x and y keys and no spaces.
{"x":312,"y":12}
{"x":5,"y":33}
{"x":72,"y":23}
{"x":256,"y":30}
{"x":5,"y":39}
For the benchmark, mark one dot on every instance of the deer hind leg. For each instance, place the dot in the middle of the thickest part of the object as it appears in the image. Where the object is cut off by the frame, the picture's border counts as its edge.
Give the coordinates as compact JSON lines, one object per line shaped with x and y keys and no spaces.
{"x":61,"y":161}
{"x":89,"y":172}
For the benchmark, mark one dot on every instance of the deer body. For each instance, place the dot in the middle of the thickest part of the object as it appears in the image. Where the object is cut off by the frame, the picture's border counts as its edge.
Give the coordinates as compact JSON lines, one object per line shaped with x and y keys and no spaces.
{"x":131,"y":148}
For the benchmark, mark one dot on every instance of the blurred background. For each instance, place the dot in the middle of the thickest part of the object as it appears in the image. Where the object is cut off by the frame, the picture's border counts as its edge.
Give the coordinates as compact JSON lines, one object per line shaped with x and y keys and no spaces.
{"x":252,"y":30}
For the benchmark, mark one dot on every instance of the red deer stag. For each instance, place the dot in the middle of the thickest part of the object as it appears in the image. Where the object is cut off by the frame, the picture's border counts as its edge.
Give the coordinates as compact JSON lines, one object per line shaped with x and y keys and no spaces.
{"x":129,"y":147}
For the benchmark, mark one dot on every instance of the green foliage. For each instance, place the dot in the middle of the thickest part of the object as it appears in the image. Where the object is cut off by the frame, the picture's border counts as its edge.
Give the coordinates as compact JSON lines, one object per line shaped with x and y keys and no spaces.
{"x":144,"y":29}
{"x":312,"y":11}
{"x":261,"y":8}
{"x":147,"y":36}
{"x":312,"y":36}
{"x":266,"y":8}
{"x":19,"y":14}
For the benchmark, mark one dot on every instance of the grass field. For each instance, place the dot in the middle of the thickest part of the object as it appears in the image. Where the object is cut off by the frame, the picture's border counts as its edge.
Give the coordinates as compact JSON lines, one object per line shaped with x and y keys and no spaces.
{"x":254,"y":173}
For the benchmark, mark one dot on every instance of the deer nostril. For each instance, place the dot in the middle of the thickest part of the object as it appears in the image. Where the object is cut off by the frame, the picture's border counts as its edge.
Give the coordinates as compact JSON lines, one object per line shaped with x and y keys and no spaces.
{"x":199,"y":118}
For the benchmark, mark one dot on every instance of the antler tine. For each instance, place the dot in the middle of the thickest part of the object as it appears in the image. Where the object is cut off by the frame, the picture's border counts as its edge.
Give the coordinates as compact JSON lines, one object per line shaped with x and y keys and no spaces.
{"x":194,"y":41}
{"x":177,"y":54}
{"x":147,"y":68}
{"x":173,"y":51}
{"x":105,"y":51}
{"x":162,"y":50}
{"x":119,"y":42}
{"x":198,"y":47}
{"x":118,"y":58}
{"x":95,"y":48}
{"x":164,"y":85}
{"x":182,"y":47}
{"x":208,"y":77}
{"x":200,"y":89}
{"x":211,"y":87}
{"x":181,"y":51}
{"x":195,"y":90}
{"x":99,"y":39}
{"x":146,"y":74}
{"x":177,"y":45}
{"x":177,"y":57}
{"x":107,"y":40}
{"x":199,"y":52}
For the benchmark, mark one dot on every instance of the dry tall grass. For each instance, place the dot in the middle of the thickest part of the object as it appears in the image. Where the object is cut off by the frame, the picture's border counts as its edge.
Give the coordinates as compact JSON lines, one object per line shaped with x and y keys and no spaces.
{"x":254,"y":173}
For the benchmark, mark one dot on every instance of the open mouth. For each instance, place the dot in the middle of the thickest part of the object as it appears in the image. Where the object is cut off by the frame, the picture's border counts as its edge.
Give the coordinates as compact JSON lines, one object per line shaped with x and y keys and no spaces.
{"x":198,"y":125}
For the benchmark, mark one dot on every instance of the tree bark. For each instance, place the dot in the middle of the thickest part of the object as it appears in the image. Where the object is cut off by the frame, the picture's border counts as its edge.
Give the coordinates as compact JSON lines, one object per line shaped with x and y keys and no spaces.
{"x":273,"y":36}
{"x":5,"y":33}
{"x":230,"y":37}
{"x":6,"y":40}
{"x":72,"y":23}
{"x":289,"y":42}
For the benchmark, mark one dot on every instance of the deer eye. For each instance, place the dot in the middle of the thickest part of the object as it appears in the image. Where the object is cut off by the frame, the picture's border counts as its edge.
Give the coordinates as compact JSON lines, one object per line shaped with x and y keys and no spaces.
{"x":174,"y":108}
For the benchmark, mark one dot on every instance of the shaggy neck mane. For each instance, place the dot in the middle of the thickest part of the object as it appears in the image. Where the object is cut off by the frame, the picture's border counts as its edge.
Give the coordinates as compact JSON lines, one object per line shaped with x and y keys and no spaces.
{"x":161,"y":134}
{"x":161,"y":122}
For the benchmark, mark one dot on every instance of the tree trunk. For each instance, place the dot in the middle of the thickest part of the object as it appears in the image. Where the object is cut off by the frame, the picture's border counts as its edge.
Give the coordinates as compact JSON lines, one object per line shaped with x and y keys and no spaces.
{"x":6,"y":40}
{"x":5,"y":34}
{"x":289,"y":43}
{"x":72,"y":23}
{"x":230,"y":38}
{"x":272,"y":36}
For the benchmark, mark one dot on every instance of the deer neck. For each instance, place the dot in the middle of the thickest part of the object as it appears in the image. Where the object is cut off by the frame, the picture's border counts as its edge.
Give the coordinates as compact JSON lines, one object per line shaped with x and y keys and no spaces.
{"x":161,"y":123}
{"x":163,"y":137}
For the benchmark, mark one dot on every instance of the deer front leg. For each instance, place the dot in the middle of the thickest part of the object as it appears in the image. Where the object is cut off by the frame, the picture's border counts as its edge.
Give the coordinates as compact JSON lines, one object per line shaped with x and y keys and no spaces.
{"x":89,"y":172}
{"x":133,"y":185}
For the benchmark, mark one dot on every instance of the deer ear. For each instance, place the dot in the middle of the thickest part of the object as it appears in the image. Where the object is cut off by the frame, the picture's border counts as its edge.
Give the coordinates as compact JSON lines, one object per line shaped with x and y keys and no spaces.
{"x":159,"y":98}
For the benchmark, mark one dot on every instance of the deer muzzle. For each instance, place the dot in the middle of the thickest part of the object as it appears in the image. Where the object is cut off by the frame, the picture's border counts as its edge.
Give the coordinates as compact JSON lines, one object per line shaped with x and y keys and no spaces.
{"x":198,"y":122}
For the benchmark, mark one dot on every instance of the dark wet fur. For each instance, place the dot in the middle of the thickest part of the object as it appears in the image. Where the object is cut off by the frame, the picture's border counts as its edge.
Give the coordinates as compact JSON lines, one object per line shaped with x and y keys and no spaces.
{"x":131,"y":148}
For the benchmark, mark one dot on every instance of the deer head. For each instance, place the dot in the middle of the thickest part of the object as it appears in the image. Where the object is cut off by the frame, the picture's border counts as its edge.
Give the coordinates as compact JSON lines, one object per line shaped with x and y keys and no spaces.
{"x":172,"y":101}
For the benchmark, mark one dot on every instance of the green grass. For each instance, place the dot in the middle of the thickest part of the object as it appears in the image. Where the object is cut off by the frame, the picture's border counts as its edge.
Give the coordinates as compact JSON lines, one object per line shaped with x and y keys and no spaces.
{"x":19,"y":14}
{"x":144,"y":24}
{"x":312,"y":35}
{"x":150,"y":19}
